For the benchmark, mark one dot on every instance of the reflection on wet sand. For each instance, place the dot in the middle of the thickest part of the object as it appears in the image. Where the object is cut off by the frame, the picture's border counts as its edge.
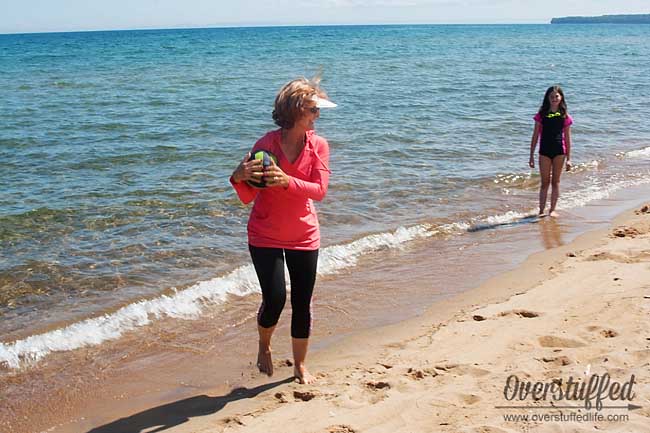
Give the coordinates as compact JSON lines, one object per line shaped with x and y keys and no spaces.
{"x":551,"y":233}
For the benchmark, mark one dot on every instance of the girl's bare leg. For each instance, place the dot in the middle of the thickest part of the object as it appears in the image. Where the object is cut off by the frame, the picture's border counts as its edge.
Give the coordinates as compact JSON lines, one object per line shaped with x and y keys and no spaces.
{"x":545,"y":165}
{"x":558,"y":165}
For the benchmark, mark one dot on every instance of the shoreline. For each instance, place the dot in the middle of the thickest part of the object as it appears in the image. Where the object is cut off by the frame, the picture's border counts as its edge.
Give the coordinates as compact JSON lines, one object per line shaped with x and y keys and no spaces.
{"x":357,"y":354}
{"x":171,"y":360}
{"x":397,"y":378}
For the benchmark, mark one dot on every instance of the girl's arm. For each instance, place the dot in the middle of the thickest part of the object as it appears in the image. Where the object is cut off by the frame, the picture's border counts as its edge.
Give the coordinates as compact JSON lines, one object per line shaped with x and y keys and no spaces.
{"x":567,"y":141}
{"x":533,"y":145}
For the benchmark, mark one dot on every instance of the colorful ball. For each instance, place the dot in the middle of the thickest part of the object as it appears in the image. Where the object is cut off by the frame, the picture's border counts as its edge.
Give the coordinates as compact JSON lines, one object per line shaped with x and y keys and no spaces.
{"x":267,"y":159}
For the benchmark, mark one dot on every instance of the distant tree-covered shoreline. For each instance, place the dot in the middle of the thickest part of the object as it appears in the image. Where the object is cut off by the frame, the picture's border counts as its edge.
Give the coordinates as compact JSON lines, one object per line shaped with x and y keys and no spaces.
{"x":605,"y":19}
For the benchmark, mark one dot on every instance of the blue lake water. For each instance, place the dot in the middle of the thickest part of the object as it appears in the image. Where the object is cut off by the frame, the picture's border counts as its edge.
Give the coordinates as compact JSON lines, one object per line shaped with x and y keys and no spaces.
{"x":116,"y":147}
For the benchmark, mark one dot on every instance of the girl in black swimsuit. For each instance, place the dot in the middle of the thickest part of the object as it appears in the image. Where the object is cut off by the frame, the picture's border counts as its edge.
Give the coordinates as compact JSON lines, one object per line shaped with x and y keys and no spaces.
{"x":553,"y":129}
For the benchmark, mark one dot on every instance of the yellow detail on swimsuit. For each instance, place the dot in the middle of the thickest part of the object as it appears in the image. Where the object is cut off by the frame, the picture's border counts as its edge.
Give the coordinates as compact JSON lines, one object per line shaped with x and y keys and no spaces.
{"x":552,"y":115}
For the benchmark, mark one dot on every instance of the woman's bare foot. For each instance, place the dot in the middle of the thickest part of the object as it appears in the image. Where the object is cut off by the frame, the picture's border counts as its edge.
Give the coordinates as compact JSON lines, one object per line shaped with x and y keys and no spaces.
{"x":553,"y":214}
{"x":305,"y":377}
{"x":264,"y":360}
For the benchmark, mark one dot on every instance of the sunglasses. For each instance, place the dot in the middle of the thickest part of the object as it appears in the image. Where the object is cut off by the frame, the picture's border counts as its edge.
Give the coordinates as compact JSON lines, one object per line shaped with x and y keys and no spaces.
{"x":314,"y":110}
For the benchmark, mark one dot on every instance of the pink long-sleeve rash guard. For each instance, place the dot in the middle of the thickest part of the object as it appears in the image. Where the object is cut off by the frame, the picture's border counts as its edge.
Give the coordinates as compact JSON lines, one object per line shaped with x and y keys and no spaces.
{"x":286,"y":217}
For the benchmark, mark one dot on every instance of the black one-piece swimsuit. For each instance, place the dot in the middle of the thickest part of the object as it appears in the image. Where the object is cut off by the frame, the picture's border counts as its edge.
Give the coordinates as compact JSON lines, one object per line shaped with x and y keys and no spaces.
{"x":552,"y":133}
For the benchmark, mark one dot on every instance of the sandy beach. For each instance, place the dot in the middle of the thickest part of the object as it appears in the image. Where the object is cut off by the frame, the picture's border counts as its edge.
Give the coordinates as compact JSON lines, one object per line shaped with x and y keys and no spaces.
{"x":574,"y":316}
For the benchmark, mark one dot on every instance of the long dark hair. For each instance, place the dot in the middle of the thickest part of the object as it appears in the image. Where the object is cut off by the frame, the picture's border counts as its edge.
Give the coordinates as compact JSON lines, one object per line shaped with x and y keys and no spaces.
{"x":546,"y":106}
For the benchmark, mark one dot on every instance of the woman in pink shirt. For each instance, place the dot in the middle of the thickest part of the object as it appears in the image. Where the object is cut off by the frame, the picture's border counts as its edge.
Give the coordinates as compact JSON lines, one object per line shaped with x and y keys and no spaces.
{"x":283,"y":223}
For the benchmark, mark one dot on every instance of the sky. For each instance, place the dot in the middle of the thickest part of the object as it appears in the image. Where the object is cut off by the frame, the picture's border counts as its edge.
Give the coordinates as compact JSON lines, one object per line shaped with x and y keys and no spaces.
{"x":26,"y":16}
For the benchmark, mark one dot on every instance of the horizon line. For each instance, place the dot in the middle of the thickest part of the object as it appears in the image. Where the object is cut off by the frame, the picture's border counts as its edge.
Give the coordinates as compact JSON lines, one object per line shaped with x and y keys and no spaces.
{"x":251,"y":26}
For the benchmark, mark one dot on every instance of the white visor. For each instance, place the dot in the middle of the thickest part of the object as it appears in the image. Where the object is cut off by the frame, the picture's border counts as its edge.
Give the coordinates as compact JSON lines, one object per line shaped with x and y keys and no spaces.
{"x":322,"y":102}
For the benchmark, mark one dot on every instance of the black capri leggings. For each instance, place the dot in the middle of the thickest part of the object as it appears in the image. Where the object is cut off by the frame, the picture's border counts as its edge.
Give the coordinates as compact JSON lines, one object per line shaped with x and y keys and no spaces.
{"x":269,"y":266}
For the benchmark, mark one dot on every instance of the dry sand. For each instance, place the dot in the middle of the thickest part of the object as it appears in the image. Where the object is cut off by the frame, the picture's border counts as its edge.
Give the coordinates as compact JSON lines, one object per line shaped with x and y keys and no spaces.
{"x":575,"y":311}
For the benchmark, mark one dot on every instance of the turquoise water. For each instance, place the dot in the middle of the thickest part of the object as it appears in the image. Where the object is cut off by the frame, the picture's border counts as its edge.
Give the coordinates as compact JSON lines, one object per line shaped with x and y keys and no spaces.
{"x":116,"y":147}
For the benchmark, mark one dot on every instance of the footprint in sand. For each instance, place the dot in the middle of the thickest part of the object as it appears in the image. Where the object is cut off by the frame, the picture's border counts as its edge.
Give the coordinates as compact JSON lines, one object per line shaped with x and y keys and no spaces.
{"x":551,"y":341}
{"x":284,"y":363}
{"x":489,"y":429}
{"x":609,"y":333}
{"x":377,"y":391}
{"x":604,"y":332}
{"x":471,"y":370}
{"x":231,"y":421}
{"x":375,"y":385}
{"x":342,"y":428}
{"x":526,"y":314}
{"x":520,"y":313}
{"x":625,"y":232}
{"x":304,"y":395}
{"x":559,"y":361}
{"x":281,"y":397}
{"x":641,"y":355}
{"x":351,"y":399}
{"x":619,"y":258}
{"x":445,"y":367}
{"x":419,"y":374}
{"x":469,"y":399}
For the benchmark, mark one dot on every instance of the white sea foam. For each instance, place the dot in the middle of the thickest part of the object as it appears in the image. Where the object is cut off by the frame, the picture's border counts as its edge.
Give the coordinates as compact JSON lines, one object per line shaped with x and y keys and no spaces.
{"x":188,"y":303}
{"x":451,"y":228}
{"x":587,"y":165}
{"x":506,"y":218}
{"x":184,"y":304}
{"x":338,"y":257}
{"x":638,"y":154}
{"x":599,"y":189}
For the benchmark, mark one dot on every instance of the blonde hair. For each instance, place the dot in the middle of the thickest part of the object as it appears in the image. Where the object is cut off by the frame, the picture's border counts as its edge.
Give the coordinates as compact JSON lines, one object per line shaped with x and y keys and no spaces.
{"x":290,"y":101}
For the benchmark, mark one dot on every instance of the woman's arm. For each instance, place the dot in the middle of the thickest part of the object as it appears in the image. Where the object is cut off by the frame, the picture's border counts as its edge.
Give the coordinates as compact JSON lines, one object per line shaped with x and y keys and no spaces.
{"x":315,"y":188}
{"x":246,"y":170}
